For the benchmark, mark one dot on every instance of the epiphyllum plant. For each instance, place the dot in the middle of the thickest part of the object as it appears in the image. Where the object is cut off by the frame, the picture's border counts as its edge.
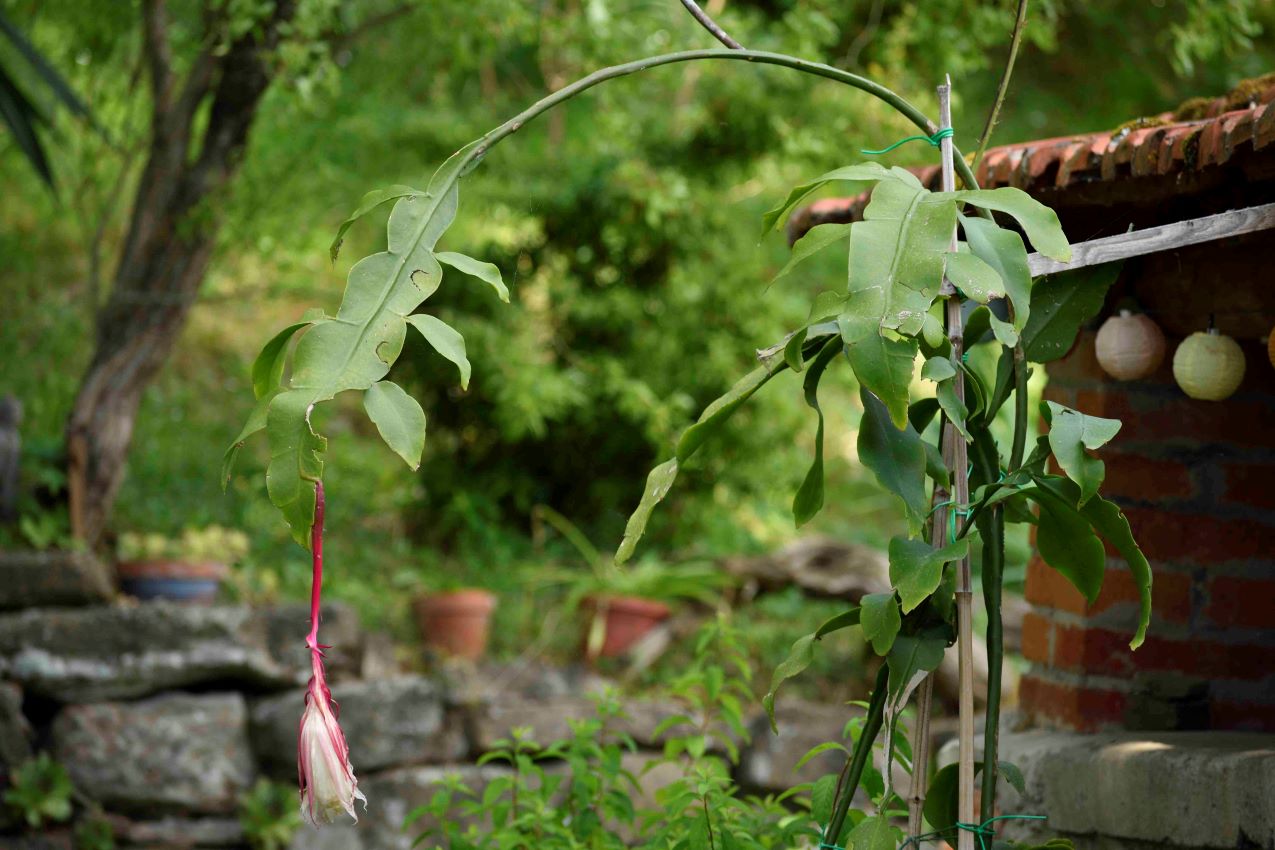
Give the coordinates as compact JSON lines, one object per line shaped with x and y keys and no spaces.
{"x":913,"y":261}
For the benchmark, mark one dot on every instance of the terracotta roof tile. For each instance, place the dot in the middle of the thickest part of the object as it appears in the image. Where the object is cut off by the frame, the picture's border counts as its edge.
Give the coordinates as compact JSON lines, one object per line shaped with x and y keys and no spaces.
{"x":1155,"y":146}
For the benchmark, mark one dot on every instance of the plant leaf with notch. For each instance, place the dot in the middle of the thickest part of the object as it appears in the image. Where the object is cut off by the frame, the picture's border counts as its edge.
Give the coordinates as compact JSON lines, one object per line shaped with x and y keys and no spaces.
{"x":861,"y":172}
{"x":658,"y":483}
{"x":916,"y":568}
{"x":486,"y":272}
{"x":812,"y":242}
{"x":1038,"y":221}
{"x":1061,"y":304}
{"x":1003,"y":251}
{"x":1070,"y":434}
{"x":879,"y":618}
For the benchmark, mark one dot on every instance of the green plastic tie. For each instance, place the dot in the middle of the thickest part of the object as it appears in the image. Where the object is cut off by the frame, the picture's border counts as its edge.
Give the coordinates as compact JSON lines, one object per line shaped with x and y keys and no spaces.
{"x":983,"y":830}
{"x":945,"y":133}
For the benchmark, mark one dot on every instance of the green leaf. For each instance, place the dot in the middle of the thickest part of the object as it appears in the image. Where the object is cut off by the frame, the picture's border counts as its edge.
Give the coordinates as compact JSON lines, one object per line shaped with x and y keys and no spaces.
{"x":1061,"y":304}
{"x":1070,"y":434}
{"x":916,"y":568}
{"x":896,"y":457}
{"x":922,"y":412}
{"x":296,"y":460}
{"x":446,"y":340}
{"x":874,"y":833}
{"x":821,"y":798}
{"x":1038,"y":221}
{"x":885,"y":366}
{"x":974,"y":278}
{"x":658,"y":483}
{"x":486,"y":272}
{"x":912,"y":655}
{"x":1107,"y":519}
{"x":897,"y":255}
{"x":799,"y":657}
{"x":862,"y":172}
{"x":716,"y":414}
{"x":879,"y":617}
{"x":1065,"y":539}
{"x":816,"y":750}
{"x":267,"y":369}
{"x":398,"y":418}
{"x":1012,"y":775}
{"x":809,"y":498}
{"x":814,"y":240}
{"x":941,"y":799}
{"x":1003,"y":251}
{"x":938,"y":369}
{"x":369,"y":202}
{"x":952,"y":405}
{"x":840,"y":621}
{"x":792,"y":350}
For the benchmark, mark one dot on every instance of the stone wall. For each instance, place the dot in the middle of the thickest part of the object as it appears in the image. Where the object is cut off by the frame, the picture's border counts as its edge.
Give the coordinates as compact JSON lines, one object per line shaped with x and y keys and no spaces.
{"x":164,"y":715}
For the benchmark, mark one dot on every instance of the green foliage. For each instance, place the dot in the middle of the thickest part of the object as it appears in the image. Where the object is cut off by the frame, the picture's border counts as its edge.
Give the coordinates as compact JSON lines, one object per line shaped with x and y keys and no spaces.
{"x":593,"y":803}
{"x":40,"y":792}
{"x":94,"y":833}
{"x":269,"y":815}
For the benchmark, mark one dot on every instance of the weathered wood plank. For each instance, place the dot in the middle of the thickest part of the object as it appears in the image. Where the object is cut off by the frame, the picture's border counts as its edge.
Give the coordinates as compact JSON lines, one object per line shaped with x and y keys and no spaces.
{"x":1151,"y":240}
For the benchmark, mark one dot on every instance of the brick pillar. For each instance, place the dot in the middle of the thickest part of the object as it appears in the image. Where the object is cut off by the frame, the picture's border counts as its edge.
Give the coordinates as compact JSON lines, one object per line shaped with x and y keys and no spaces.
{"x":1197,"y":482}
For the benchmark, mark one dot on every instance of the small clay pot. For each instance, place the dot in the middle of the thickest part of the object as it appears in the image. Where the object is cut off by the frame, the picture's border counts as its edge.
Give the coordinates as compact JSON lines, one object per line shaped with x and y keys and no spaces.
{"x":455,"y":623}
{"x":626,"y":620}
{"x":175,"y":581}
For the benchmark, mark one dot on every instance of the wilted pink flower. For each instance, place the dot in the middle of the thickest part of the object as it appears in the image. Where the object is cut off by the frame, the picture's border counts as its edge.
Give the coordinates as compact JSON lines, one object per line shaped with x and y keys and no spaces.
{"x":328,"y":786}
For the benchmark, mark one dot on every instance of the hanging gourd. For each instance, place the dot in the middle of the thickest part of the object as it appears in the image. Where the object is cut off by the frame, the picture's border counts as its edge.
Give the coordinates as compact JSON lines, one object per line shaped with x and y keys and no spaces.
{"x":1129,"y":346}
{"x":1208,"y":365}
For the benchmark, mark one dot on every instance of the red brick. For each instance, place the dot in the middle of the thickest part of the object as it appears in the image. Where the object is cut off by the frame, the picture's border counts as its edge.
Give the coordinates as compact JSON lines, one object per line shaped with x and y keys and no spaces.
{"x":1106,"y":652}
{"x":1036,"y":637}
{"x":1241,"y":603}
{"x":1153,"y":417}
{"x":1250,"y":484}
{"x":1170,"y":592}
{"x":1246,"y":716}
{"x":1197,"y":538}
{"x":1133,"y":476}
{"x":1081,"y":708}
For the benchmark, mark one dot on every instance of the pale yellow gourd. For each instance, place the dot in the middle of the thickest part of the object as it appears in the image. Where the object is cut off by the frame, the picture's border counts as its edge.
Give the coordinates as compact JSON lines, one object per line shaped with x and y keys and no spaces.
{"x":1208,"y":366}
{"x":1129,"y":346}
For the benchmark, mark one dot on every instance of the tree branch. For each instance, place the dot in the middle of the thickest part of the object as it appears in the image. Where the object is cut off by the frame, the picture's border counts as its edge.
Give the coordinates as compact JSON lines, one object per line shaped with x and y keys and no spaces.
{"x":159,"y":56}
{"x":1020,"y":24}
{"x":711,"y":25}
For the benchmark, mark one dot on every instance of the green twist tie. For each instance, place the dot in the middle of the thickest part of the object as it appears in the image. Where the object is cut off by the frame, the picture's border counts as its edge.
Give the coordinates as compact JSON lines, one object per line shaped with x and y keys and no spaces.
{"x":945,"y":133}
{"x":983,"y":830}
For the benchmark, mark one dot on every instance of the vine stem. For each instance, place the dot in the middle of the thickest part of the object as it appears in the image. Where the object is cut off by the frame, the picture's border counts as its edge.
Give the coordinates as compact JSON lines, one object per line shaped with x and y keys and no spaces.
{"x":1020,"y":23}
{"x":707,"y":22}
{"x":955,"y":454}
{"x":852,"y":773}
{"x":316,"y":579}
{"x":466,"y":159}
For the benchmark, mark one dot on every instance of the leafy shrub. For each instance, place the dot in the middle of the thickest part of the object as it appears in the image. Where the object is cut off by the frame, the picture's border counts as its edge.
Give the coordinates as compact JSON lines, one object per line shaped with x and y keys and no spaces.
{"x":40,"y":792}
{"x":269,"y":815}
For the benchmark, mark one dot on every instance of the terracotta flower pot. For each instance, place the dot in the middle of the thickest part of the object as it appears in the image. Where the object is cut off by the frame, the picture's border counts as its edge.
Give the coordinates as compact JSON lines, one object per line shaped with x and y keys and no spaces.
{"x":177,"y":581}
{"x":626,"y":619}
{"x":455,"y":623}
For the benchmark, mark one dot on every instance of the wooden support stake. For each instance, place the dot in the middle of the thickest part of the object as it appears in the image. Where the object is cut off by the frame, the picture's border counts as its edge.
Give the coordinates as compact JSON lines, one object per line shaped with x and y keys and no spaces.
{"x":956,"y":457}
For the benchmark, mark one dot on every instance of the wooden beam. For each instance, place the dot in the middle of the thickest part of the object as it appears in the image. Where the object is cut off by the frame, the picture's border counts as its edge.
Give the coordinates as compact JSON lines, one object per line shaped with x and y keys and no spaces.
{"x":1152,"y":240}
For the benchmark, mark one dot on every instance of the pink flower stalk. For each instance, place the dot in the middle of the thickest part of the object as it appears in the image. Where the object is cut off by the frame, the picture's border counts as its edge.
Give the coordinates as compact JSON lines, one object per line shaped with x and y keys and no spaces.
{"x":326,"y":777}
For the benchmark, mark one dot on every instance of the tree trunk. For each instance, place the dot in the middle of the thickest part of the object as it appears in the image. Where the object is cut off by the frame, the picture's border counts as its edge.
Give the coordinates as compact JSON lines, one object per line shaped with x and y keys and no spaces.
{"x":170,"y":240}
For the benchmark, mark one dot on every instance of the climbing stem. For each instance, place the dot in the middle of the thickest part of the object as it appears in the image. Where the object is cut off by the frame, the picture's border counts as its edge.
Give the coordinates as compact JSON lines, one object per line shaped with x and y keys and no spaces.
{"x":1020,"y":23}
{"x":992,"y":528}
{"x":470,"y":156}
{"x":853,"y":771}
{"x":1020,"y":410}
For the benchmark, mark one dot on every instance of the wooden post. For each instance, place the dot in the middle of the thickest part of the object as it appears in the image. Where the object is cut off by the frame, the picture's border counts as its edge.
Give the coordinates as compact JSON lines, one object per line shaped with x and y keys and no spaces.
{"x":956,"y":457}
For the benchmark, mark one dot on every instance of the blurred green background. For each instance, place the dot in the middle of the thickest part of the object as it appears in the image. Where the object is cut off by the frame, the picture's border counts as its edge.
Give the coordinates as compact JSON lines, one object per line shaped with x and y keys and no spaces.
{"x":628,"y":226}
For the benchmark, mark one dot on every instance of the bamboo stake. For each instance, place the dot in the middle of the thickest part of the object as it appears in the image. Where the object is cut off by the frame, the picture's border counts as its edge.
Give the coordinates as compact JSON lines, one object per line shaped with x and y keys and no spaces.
{"x":955,"y":453}
{"x":920,"y":755}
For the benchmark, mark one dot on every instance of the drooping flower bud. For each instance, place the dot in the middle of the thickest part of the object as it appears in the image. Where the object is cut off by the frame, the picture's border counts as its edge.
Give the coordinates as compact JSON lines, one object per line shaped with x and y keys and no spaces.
{"x":324,"y":772}
{"x":328,"y":785}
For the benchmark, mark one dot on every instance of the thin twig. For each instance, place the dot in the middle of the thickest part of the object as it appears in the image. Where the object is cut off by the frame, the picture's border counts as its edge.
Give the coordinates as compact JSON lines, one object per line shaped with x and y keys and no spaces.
{"x":711,"y":25}
{"x":1019,"y":25}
